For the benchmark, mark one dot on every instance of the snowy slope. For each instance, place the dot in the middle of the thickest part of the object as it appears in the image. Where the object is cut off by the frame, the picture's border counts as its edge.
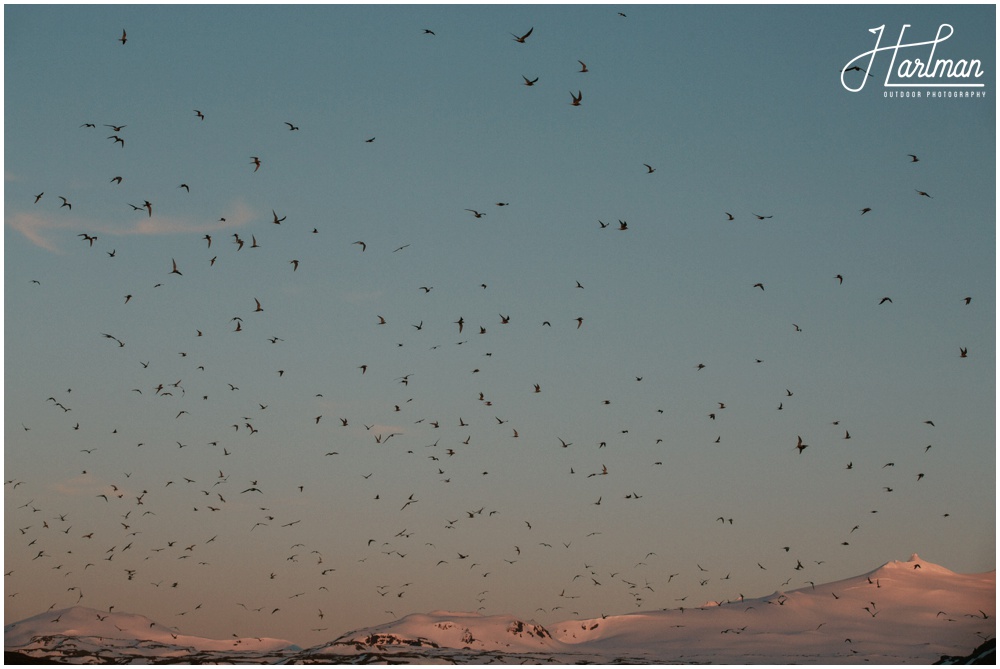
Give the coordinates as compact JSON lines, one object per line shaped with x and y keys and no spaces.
{"x":912,"y":611}
{"x":81,"y":632}
{"x":902,"y":612}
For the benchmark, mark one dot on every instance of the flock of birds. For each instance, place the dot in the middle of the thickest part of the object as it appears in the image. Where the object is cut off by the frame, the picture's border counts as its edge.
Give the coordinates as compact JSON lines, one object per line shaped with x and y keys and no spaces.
{"x":133,"y":549}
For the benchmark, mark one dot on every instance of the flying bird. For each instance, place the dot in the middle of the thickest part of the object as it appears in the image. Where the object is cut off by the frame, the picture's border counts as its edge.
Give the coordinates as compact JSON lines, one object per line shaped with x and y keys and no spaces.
{"x":175,"y":270}
{"x":529,"y":82}
{"x":524,"y":36}
{"x":857,"y":68}
{"x":199,"y":114}
{"x":256,"y":162}
{"x":650,"y":168}
{"x":583,"y":66}
{"x":123,"y":38}
{"x":576,"y":98}
{"x":291,"y":127}
{"x":801,"y":446}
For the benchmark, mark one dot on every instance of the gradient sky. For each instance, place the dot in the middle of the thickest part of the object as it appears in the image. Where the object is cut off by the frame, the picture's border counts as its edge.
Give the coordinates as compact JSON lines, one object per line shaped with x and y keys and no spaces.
{"x":738,"y":109}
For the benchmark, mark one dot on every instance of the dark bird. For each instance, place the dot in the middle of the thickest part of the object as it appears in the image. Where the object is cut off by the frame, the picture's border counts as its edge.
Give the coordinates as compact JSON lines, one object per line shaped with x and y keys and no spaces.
{"x":730,"y":216}
{"x":576,"y":98}
{"x":650,"y":169}
{"x":476,"y":213}
{"x":865,"y":210}
{"x":963,"y":352}
{"x":175,"y":270}
{"x":200,"y":115}
{"x":524,"y":36}
{"x":123,"y":38}
{"x":39,"y":197}
{"x":761,"y":218}
{"x":529,"y":82}
{"x":256,"y":162}
{"x":148,"y":206}
{"x":885,"y":299}
{"x":857,"y":68}
{"x":801,"y":446}
{"x":920,"y":192}
{"x":583,"y":66}
{"x":291,"y":127}
{"x":65,"y":203}
{"x":429,"y":32}
{"x":913,"y":158}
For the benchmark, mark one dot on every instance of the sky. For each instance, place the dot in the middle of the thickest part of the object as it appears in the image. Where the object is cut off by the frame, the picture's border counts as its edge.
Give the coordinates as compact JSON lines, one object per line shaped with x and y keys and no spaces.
{"x":183,"y":454}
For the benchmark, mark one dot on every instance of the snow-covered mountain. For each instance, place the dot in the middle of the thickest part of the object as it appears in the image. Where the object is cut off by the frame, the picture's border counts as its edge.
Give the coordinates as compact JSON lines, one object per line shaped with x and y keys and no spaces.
{"x":903,"y":612}
{"x":81,"y":634}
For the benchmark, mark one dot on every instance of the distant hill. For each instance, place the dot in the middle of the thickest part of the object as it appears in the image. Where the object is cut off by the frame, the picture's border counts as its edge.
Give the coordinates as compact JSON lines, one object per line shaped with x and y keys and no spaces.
{"x":903,"y":612}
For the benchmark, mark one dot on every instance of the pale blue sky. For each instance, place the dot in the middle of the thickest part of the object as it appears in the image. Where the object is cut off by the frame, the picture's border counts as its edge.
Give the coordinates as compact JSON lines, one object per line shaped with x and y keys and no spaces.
{"x":738,"y":109}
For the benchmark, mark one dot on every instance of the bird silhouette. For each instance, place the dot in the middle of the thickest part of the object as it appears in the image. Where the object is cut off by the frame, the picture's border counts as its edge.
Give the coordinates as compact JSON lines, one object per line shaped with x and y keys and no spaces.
{"x":524,"y":36}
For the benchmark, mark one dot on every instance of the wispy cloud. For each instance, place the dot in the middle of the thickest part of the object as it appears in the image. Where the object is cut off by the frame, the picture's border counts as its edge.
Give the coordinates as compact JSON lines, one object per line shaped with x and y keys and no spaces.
{"x":84,"y":485}
{"x":165,"y":225}
{"x":43,"y":229}
{"x":37,"y":228}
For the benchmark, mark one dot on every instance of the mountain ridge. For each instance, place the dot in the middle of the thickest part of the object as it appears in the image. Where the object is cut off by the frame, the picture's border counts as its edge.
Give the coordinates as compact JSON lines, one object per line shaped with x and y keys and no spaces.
{"x":911,"y":611}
